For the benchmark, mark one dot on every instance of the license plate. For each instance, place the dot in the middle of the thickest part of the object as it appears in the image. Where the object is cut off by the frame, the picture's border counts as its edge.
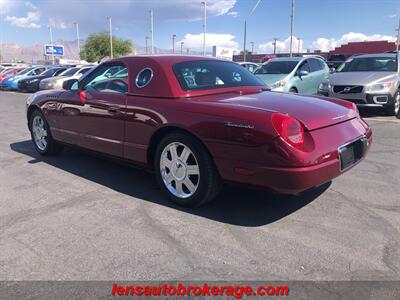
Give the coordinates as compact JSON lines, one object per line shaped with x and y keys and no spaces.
{"x":351,"y":153}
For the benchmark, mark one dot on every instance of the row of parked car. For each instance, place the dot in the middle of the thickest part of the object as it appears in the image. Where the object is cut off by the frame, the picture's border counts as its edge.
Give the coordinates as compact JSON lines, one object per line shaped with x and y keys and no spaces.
{"x":35,"y":78}
{"x":371,"y":80}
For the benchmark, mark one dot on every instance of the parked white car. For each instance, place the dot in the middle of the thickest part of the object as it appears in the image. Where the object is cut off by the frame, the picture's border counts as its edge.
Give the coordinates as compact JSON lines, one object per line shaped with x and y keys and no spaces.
{"x":57,"y":82}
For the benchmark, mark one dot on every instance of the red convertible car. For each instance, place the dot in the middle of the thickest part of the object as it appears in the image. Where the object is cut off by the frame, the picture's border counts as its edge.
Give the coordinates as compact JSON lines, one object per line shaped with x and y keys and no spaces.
{"x":198,"y":121}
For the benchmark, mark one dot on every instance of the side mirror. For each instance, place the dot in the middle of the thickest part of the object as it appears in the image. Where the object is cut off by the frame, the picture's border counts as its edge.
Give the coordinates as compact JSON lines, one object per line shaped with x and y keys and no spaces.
{"x":303,"y":73}
{"x":70,"y":84}
{"x":332,"y":70}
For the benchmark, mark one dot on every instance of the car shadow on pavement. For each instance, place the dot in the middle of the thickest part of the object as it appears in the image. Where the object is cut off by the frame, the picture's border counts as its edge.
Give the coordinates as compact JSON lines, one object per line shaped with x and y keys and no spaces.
{"x":237,"y":206}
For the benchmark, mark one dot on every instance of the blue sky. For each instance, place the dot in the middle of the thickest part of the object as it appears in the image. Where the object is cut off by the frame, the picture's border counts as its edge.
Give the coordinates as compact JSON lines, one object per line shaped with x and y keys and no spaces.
{"x":321,"y":24}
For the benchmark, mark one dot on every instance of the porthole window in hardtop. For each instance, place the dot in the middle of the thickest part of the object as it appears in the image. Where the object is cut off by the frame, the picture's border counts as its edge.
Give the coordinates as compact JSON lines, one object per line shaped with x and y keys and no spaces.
{"x":144,"y":77}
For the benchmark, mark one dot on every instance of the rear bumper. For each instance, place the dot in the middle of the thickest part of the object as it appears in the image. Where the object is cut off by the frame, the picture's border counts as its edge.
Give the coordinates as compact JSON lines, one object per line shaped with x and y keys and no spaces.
{"x":291,"y":180}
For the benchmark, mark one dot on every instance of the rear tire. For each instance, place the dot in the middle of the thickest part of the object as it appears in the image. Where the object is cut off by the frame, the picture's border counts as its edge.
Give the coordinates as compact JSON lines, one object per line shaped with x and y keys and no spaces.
{"x":185,"y":171}
{"x":41,"y":135}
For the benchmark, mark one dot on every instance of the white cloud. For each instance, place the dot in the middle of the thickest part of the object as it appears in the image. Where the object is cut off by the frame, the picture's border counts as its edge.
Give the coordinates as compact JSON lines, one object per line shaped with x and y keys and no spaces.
{"x":5,"y":6}
{"x":325,"y":44}
{"x":195,"y":41}
{"x":129,"y":13}
{"x":282,"y":46}
{"x":31,"y":20}
{"x":392,"y":16}
{"x":30,"y":6}
{"x":57,"y":23}
{"x":322,"y":43}
{"x":234,"y":14}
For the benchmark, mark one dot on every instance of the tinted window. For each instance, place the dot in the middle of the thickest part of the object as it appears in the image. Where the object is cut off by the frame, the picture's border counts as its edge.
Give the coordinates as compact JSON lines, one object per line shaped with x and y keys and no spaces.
{"x":83,"y":71}
{"x":305,"y":66}
{"x":58,"y":72}
{"x":210,"y":74}
{"x":69,"y":72}
{"x":314,"y":65}
{"x":96,"y":81}
{"x":121,"y":74}
{"x":23,"y":72}
{"x":369,"y":64}
{"x":51,"y":72}
{"x":277,"y":67}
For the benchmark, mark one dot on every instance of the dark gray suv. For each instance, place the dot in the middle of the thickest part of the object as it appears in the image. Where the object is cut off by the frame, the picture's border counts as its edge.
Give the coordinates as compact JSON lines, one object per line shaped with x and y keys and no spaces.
{"x":367,"y":80}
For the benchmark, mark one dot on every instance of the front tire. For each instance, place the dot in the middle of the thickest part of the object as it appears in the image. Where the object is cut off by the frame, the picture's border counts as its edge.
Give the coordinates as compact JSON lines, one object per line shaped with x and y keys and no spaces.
{"x":394,"y":109}
{"x":185,"y":171}
{"x":397,"y":104}
{"x":41,"y":135}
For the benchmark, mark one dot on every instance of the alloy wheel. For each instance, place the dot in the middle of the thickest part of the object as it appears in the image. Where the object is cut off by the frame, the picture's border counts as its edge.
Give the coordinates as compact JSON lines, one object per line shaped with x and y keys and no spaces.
{"x":39,"y":132}
{"x":397,"y":104}
{"x":180,"y":170}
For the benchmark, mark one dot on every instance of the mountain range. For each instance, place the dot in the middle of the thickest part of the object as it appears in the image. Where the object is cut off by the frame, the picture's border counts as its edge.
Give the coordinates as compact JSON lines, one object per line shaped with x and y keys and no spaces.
{"x":13,"y":52}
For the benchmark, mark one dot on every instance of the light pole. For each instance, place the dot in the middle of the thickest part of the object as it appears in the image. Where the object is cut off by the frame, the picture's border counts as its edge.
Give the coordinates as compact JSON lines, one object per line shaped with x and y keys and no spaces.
{"x":152,"y":30}
{"x":1,"y":40}
{"x":187,"y":51}
{"x":111,"y":45}
{"x":274,"y":43}
{"x":252,"y":47}
{"x":245,"y":29}
{"x":291,"y":29}
{"x":147,"y":49}
{"x":173,"y":43}
{"x":182,"y":47}
{"x":79,"y":43}
{"x":398,"y":36}
{"x":204,"y":26}
{"x":299,"y":40}
{"x":51,"y":43}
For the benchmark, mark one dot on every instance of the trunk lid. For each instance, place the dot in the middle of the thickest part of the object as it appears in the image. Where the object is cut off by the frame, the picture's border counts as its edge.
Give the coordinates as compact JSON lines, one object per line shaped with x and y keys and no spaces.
{"x":313,"y":112}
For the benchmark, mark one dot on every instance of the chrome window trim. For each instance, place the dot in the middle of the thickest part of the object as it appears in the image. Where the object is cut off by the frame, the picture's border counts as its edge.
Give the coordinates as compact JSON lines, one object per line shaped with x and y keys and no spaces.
{"x":140,"y":72}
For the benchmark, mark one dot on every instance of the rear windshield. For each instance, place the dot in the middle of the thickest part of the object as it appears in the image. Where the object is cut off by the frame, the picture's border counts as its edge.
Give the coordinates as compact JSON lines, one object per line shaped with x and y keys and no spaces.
{"x":369,"y":64}
{"x":211,"y":74}
{"x":277,"y":67}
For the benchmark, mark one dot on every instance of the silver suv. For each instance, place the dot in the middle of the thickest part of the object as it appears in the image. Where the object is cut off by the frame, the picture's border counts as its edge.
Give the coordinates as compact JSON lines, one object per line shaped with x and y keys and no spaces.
{"x":367,"y":80}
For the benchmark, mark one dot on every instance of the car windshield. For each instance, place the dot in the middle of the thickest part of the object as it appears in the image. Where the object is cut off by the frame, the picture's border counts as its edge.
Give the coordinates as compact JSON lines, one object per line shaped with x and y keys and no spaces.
{"x":277,"y":67}
{"x":70,"y":72}
{"x":369,"y":64}
{"x":8,"y":71}
{"x":49,"y":72}
{"x":211,"y":74}
{"x":23,"y":72}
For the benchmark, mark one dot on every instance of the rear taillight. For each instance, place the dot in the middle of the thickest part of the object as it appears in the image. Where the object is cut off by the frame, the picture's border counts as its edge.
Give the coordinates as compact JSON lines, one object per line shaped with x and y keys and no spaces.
{"x":289,"y":129}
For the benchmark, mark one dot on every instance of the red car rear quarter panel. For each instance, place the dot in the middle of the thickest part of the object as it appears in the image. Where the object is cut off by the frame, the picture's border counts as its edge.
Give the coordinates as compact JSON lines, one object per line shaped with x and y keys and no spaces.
{"x":205,"y":120}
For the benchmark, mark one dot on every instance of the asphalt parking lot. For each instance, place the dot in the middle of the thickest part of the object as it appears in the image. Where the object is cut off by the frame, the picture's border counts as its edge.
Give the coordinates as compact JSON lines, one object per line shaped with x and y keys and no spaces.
{"x":80,"y":217}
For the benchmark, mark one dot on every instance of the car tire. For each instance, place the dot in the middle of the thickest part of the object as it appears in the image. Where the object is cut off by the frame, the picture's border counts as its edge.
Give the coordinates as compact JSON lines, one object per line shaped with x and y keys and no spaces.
{"x":397,"y":104}
{"x":41,"y":135}
{"x":393,"y":109}
{"x":185,"y":170}
{"x":293,"y":90}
